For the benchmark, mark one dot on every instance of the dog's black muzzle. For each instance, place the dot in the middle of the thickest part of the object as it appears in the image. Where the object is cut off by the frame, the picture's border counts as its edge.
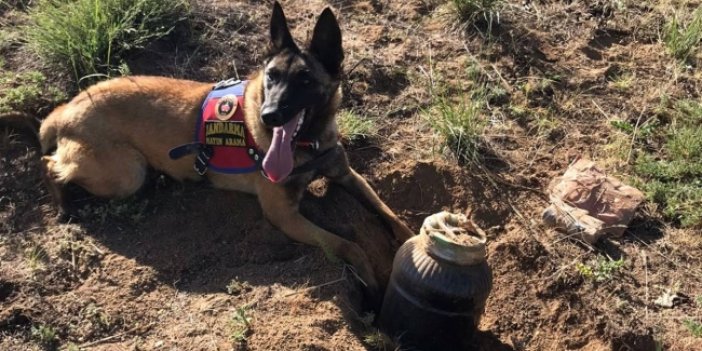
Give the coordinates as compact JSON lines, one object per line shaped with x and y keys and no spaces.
{"x":272,"y":115}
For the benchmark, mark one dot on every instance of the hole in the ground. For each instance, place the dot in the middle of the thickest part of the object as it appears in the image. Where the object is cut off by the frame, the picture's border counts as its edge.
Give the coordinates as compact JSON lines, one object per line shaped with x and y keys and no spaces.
{"x":6,"y":289}
{"x":605,"y":38}
{"x":17,"y":321}
{"x":634,"y":342}
{"x":591,"y":53}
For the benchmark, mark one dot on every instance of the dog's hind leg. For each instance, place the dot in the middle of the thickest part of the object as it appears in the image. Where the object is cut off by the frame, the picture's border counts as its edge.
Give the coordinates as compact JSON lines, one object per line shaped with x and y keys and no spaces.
{"x":283,"y":212}
{"x":117,"y":171}
{"x":56,"y":189}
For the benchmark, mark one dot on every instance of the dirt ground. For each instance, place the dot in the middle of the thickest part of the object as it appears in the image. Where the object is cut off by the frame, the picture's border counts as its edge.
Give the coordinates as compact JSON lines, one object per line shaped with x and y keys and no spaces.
{"x":186,"y":267}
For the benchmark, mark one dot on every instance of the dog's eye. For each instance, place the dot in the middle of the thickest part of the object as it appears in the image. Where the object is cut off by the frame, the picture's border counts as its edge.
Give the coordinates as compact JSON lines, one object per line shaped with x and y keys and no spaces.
{"x":273,"y":76}
{"x":305,"y":78}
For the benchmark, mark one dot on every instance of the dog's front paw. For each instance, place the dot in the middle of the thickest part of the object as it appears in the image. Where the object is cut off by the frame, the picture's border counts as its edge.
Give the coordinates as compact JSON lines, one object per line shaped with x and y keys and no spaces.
{"x":372,"y":293}
{"x":372,"y":298}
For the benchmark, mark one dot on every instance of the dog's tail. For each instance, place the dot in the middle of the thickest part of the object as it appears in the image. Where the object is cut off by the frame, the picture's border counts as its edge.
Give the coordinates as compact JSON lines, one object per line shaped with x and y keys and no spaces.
{"x":44,"y":134}
{"x":20,"y":122}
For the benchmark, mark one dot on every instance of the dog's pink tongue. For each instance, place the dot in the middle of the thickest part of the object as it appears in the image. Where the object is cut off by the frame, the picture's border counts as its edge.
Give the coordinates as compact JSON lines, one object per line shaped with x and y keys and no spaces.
{"x":278,"y":162}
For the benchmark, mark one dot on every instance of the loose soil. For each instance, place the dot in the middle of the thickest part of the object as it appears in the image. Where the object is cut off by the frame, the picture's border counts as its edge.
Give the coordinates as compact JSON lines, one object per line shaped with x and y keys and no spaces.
{"x":171,"y":268}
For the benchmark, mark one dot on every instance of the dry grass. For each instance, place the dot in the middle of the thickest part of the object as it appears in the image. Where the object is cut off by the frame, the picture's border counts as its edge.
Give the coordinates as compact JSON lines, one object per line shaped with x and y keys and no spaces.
{"x":554,"y":104}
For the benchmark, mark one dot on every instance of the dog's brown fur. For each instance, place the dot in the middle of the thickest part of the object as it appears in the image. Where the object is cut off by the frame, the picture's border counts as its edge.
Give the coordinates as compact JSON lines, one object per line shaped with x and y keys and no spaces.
{"x":106,"y":137}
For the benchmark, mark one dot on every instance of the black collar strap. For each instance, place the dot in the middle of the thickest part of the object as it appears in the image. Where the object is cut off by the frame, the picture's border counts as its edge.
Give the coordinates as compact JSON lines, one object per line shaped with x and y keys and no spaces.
{"x":315,"y":163}
{"x":318,"y":161}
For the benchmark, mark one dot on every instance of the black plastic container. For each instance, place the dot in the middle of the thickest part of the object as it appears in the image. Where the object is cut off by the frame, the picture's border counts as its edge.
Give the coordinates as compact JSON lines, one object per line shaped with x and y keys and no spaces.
{"x":438,"y":286}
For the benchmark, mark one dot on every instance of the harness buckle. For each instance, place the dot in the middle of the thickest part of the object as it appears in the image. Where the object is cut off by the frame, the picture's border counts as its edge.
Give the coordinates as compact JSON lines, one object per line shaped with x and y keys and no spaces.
{"x":203,"y":160}
{"x":226,"y":83}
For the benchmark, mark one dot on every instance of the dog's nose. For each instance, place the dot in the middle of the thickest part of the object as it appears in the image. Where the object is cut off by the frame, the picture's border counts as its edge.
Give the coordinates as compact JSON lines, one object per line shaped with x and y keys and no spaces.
{"x":271,"y":116}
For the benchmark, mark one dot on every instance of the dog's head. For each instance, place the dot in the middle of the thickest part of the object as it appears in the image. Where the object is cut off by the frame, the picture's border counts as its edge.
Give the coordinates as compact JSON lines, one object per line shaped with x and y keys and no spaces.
{"x":295,"y":79}
{"x":298,"y":85}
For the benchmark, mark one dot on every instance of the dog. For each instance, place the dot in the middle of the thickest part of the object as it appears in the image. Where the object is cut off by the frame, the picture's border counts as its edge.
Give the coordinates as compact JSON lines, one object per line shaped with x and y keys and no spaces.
{"x":106,"y":138}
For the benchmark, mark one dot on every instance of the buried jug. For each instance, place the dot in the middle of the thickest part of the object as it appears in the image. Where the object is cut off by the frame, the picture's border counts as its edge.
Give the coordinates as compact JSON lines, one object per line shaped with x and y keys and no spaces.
{"x":438,"y":286}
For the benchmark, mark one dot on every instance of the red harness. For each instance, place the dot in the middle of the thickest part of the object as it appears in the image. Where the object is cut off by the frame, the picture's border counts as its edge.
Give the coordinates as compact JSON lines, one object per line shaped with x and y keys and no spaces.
{"x":222,"y":127}
{"x":223,"y":142}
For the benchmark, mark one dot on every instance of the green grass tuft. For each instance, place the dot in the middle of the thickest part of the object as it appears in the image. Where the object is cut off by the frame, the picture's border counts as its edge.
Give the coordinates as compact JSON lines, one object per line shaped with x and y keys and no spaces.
{"x":672,"y":176}
{"x":354,"y":127}
{"x":484,"y":12}
{"x":601,"y":269}
{"x":379,"y":341}
{"x":682,"y":40}
{"x":44,"y":335}
{"x":622,"y":82}
{"x":240,"y":325}
{"x":237,"y":287}
{"x":37,"y":258}
{"x":694,"y":327}
{"x":26,"y":91}
{"x":461,"y":124}
{"x":91,"y":37}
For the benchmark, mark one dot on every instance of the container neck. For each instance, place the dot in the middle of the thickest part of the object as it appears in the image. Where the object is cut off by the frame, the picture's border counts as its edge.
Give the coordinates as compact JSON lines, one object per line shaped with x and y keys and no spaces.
{"x":454,"y":238}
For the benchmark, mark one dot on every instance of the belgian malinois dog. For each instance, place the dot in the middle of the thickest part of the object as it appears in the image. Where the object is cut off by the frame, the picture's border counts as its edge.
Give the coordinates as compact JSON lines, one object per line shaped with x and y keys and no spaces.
{"x":105,"y":138}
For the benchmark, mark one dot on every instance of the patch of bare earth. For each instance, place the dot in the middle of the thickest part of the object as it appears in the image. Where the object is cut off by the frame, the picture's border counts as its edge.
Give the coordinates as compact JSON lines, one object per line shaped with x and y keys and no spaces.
{"x":156,"y":276}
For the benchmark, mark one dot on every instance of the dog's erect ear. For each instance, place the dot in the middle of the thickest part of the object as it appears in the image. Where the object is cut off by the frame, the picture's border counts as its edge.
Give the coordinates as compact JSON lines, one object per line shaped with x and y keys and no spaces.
{"x":326,"y":43}
{"x":280,"y":34}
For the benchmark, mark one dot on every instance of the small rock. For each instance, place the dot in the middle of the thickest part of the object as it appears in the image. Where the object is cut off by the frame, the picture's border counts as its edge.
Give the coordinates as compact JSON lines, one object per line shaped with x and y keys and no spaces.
{"x":670,"y":299}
